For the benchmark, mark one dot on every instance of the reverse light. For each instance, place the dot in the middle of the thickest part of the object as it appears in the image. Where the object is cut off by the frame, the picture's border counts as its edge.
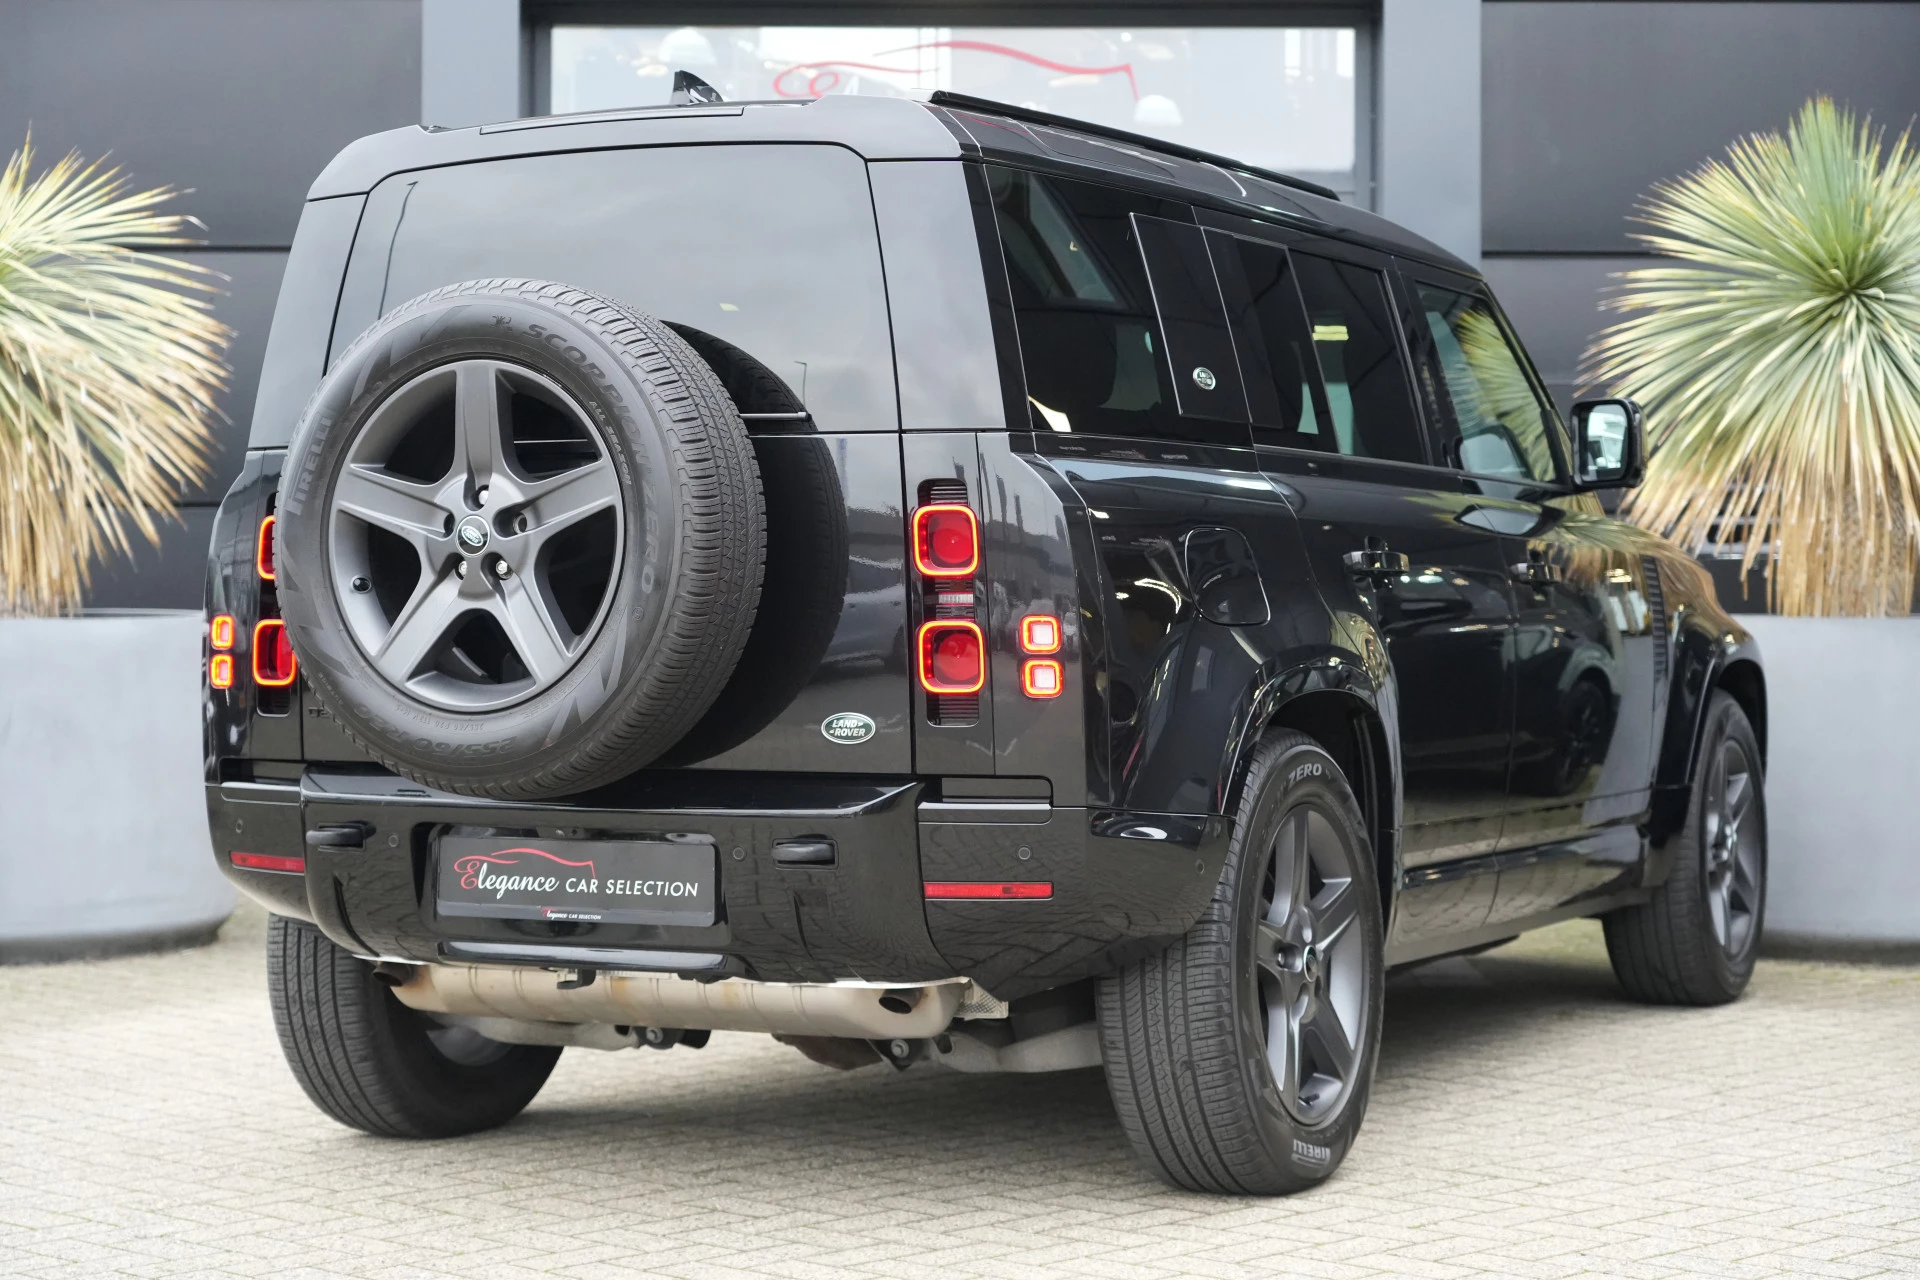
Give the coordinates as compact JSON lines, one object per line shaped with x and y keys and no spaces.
{"x":220,"y":632}
{"x":263,"y":550}
{"x":220,"y":671}
{"x":267,"y":862}
{"x":976,"y":890}
{"x":953,"y":656}
{"x":946,"y":540}
{"x":1042,"y":678}
{"x":274,"y":665}
{"x":1040,"y":633}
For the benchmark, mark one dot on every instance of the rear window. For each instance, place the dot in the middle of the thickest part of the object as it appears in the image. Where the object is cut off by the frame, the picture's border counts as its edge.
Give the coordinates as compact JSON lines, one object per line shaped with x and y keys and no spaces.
{"x":770,"y":249}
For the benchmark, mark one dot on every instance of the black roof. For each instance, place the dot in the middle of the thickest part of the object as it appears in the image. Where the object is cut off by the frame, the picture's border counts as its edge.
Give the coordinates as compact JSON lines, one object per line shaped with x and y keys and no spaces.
{"x":943,"y":98}
{"x":945,"y":127}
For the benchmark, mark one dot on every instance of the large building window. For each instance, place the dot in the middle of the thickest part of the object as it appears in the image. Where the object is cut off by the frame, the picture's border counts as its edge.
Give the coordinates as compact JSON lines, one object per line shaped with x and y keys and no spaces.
{"x":1278,"y":97}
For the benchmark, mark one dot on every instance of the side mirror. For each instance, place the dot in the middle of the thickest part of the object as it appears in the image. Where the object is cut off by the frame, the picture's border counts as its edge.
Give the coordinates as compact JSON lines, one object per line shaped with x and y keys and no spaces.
{"x":1609,"y":445}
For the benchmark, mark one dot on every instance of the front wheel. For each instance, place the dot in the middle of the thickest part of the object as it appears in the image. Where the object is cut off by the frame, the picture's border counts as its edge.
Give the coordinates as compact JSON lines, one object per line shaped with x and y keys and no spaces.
{"x":375,"y":1065}
{"x":1694,"y":942}
{"x":1240,"y":1058}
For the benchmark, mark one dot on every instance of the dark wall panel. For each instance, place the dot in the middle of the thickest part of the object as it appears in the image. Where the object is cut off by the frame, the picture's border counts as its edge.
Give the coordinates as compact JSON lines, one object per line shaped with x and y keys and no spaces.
{"x":244,"y":101}
{"x":1587,"y":105}
{"x":1554,"y":303}
{"x":172,"y":575}
{"x":245,"y":305}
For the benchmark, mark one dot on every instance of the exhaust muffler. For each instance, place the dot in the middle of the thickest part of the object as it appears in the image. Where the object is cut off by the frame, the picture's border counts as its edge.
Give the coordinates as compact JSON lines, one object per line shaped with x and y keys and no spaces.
{"x":860,"y":1011}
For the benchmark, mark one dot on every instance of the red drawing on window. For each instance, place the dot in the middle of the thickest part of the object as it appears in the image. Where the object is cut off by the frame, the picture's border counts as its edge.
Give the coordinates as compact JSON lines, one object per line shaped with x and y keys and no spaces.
{"x":824,"y":77}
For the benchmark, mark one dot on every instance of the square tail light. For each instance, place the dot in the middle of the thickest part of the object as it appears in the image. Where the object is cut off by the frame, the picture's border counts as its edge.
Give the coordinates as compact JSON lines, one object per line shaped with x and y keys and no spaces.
{"x":946,"y":540}
{"x":1040,"y":633}
{"x":953,"y":656}
{"x":1042,"y":678}
{"x":274,"y":665}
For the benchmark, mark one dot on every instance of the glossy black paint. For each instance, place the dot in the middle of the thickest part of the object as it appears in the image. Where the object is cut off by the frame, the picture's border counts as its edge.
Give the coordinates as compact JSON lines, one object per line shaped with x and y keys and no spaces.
{"x":240,"y":724}
{"x":1516,"y":682}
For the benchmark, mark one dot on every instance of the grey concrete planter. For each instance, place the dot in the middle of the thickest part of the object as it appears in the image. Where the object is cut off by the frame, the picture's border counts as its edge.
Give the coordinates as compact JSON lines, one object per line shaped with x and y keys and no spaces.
{"x":103,"y":829}
{"x":1843,"y":783}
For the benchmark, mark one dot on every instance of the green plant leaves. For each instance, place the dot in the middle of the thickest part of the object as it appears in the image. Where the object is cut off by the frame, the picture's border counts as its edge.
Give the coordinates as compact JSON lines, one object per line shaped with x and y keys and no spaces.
{"x":1779,"y":362}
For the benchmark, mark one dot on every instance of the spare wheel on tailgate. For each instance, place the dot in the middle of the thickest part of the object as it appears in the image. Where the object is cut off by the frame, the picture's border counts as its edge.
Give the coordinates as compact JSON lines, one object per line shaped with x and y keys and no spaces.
{"x":519,"y":539}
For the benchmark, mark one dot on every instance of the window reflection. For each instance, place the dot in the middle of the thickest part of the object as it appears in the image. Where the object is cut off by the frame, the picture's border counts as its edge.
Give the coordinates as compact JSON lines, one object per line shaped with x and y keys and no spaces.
{"x":1279,"y":97}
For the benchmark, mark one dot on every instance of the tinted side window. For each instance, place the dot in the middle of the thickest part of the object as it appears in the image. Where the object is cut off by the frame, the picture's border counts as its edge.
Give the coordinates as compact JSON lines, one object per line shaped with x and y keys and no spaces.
{"x":1368,"y":401}
{"x":1276,"y":349}
{"x":1494,"y":422}
{"x":770,"y":249}
{"x":1090,"y":338}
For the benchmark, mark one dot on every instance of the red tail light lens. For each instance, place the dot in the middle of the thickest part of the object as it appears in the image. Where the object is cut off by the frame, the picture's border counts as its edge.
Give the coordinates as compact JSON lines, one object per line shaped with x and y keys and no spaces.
{"x":268,"y":862}
{"x":220,"y":671}
{"x":965,"y":890}
{"x":1042,"y":678}
{"x":953,"y":657}
{"x":220,"y":632}
{"x":946,"y":541}
{"x":263,"y":551}
{"x":273,"y":662}
{"x":1040,"y":633}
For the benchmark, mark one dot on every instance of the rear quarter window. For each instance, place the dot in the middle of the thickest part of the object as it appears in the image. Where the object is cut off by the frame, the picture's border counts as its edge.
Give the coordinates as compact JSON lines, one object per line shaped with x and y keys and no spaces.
{"x":771,"y":249}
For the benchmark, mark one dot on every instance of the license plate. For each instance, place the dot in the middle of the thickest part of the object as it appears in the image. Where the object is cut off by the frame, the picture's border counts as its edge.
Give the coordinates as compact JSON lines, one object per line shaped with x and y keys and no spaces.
{"x":603,"y":881}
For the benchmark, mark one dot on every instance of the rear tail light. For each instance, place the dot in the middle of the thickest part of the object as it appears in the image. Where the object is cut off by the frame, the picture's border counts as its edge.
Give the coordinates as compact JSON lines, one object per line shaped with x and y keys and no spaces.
{"x":263,"y":551}
{"x":220,"y":671}
{"x":273,"y":662}
{"x":268,"y":862}
{"x":946,"y":540}
{"x":1040,"y":633}
{"x":1042,"y":678}
{"x":220,"y":633}
{"x":953,"y":656}
{"x":963,"y":890}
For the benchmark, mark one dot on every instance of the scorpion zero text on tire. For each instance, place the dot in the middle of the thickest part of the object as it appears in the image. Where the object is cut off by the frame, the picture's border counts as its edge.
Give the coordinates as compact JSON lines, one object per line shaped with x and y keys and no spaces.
{"x":520,"y":539}
{"x":1240,"y":1059}
{"x":375,"y":1065}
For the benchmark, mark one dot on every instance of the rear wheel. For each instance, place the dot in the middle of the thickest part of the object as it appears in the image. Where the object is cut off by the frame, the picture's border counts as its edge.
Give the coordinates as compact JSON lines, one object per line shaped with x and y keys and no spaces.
{"x":375,"y":1065}
{"x":1240,"y":1058}
{"x":1695,"y":941}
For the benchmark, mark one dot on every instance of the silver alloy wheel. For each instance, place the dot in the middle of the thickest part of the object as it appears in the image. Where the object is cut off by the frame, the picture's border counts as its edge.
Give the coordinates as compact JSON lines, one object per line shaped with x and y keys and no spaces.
{"x":483,"y":613}
{"x":1732,"y":855}
{"x":1310,"y":961}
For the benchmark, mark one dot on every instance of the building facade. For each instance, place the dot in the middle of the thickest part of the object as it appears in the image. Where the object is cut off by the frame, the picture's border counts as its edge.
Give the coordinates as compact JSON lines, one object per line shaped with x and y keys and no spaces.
{"x":1518,"y":133}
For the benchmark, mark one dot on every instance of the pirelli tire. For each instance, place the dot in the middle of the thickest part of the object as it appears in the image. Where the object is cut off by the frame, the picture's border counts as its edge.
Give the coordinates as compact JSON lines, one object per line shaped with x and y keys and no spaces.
{"x":519,"y":539}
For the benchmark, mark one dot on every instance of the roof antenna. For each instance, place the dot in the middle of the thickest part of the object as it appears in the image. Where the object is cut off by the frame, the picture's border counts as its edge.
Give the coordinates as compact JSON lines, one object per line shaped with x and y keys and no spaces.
{"x":689,"y":90}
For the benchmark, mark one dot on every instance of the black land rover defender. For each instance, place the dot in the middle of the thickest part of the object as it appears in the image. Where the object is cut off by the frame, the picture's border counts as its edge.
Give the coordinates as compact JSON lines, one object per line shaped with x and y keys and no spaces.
{"x":936,"y":583}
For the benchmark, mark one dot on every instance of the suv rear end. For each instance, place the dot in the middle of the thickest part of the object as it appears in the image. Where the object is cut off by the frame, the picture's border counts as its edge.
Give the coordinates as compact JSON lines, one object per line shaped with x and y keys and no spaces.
{"x":871,"y":798}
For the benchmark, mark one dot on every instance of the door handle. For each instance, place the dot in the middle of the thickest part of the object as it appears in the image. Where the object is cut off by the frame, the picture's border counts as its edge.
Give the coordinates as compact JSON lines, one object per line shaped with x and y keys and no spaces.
{"x":808,"y":851}
{"x":1376,"y":559}
{"x":340,"y":835}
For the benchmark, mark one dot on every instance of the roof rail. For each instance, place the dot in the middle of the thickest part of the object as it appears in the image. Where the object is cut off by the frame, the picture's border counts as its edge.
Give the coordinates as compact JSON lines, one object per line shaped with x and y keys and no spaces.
{"x":947,"y":98}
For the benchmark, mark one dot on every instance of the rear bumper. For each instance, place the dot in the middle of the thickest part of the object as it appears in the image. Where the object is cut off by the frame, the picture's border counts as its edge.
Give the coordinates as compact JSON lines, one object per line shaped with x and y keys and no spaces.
{"x":1122,"y":885}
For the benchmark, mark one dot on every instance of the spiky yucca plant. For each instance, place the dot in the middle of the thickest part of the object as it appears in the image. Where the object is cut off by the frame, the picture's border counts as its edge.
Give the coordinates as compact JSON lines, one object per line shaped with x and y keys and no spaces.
{"x":1780,"y":362}
{"x":109,"y":363}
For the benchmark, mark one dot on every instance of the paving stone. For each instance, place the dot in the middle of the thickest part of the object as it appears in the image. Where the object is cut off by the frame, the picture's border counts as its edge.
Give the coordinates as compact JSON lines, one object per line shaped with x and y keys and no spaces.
{"x":1526,"y":1122}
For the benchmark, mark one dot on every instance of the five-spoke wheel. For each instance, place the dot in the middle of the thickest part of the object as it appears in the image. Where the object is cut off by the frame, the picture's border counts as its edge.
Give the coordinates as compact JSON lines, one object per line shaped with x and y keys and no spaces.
{"x":1695,"y":940}
{"x":476,"y":525}
{"x":1310,"y":964}
{"x":1732,"y":863}
{"x":1239,"y":1059}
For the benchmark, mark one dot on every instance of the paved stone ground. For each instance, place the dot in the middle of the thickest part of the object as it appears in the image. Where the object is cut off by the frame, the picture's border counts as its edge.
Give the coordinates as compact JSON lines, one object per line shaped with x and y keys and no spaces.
{"x":1526,"y":1122}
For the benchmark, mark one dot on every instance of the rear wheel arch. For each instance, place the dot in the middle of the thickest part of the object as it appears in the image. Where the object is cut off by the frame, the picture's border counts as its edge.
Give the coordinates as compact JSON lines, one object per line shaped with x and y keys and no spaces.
{"x":1348,"y":728}
{"x":1746,"y":684}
